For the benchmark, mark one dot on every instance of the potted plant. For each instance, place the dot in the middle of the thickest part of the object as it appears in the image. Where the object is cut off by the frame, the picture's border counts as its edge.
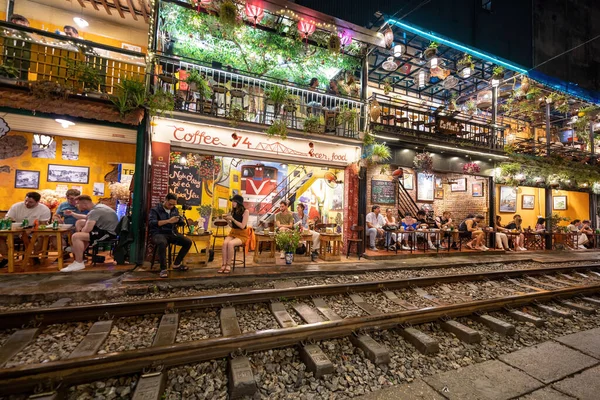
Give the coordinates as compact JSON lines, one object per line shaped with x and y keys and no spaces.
{"x":498,"y":72}
{"x":431,"y":51}
{"x":8,"y":74}
{"x":277,"y":128}
{"x":465,"y":62}
{"x":204,"y":211}
{"x":313,"y":124}
{"x":160,"y":102}
{"x":346,"y":119}
{"x":235,"y":115}
{"x":288,"y":241}
{"x":291,"y":102}
{"x":470,"y":107}
{"x":471,"y":168}
{"x":198,"y":84}
{"x":387,"y":87}
{"x":423,"y":162}
{"x":334,"y":43}
{"x":380,"y":153}
{"x":131,"y":94}
{"x":276,"y":95}
{"x":533,"y":93}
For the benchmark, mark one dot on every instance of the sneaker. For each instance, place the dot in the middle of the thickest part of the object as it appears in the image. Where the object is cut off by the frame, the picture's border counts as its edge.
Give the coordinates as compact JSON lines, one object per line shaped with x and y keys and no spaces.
{"x":373,"y":249}
{"x":522,"y":249}
{"x":68,"y":249}
{"x":404,"y":247}
{"x":180,"y":267}
{"x":454,"y":246}
{"x":4,"y":263}
{"x":163,"y":273}
{"x":75,"y":266}
{"x":485,"y":248}
{"x":581,"y":247}
{"x":509,"y":249}
{"x":481,"y":248}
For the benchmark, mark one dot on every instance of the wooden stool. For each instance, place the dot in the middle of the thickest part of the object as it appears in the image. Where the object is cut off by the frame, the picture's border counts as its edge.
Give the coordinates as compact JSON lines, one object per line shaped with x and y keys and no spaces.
{"x":220,"y":224}
{"x":358,"y":240}
{"x":235,"y":260}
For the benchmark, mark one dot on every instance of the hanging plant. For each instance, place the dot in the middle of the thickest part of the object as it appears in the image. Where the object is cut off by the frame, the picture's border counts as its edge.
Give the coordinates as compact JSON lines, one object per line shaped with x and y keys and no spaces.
{"x":236,"y":115}
{"x":498,"y":72}
{"x":334,"y":44}
{"x":596,"y":188}
{"x":228,"y":13}
{"x":380,"y":153}
{"x":431,"y":51}
{"x":160,"y":102}
{"x":465,"y":61}
{"x":423,"y":162}
{"x":277,"y":128}
{"x":471,"y":168}
{"x":387,"y":87}
{"x":471,"y":107}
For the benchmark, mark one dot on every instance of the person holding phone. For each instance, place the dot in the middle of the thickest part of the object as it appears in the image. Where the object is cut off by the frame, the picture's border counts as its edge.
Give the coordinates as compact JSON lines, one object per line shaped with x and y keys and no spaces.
{"x":238,"y":220}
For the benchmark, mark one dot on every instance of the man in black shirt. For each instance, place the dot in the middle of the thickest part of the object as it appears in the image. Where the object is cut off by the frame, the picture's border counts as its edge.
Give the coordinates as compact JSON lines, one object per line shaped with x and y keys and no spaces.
{"x":163,"y":221}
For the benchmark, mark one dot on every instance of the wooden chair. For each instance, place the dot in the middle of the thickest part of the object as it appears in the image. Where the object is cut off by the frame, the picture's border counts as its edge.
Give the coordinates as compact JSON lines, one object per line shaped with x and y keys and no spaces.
{"x":356,"y":237}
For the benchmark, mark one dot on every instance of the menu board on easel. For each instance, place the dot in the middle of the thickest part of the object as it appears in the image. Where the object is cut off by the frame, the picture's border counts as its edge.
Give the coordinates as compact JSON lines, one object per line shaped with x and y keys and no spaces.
{"x":185,"y":182}
{"x":383,"y":192}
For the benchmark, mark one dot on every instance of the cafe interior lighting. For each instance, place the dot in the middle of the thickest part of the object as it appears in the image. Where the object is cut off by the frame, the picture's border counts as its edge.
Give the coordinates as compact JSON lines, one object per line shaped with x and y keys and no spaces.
{"x":398,"y":50}
{"x":82,"y":23}
{"x":434,"y":62}
{"x":466,"y":72}
{"x":65,"y":123}
{"x":479,"y":153}
{"x":43,"y":141}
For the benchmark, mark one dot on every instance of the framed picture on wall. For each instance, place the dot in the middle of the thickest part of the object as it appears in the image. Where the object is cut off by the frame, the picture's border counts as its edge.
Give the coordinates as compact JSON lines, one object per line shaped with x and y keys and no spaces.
{"x":459,"y":185}
{"x":528,"y":202}
{"x":27,"y":179}
{"x":438,"y":183}
{"x":559,"y":202}
{"x":439,"y":194}
{"x":508,"y":199}
{"x":408,"y":181}
{"x":477,"y":189}
{"x":425,"y":187}
{"x":68,"y":174}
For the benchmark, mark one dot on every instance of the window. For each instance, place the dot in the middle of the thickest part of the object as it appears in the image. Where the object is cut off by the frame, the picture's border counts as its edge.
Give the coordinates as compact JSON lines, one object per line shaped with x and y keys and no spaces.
{"x":486,"y":5}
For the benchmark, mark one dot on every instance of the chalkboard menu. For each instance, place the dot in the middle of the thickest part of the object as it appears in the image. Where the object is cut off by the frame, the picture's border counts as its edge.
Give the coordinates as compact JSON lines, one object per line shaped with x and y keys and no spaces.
{"x":383,"y":192}
{"x":160,"y":172}
{"x":185,"y":182}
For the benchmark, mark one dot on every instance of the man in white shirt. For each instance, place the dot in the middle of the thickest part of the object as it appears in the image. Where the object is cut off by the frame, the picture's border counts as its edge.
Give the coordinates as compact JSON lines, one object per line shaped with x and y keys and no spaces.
{"x":375,"y":222}
{"x":30,"y":209}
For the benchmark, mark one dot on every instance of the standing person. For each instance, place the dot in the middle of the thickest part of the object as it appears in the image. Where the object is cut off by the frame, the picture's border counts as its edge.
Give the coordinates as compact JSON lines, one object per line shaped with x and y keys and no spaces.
{"x":375,"y":223}
{"x":390,"y":226}
{"x":468,"y":229}
{"x":445,"y":222}
{"x":238,"y":220}
{"x":501,"y":237}
{"x":409,"y":224}
{"x":580,"y":239}
{"x":301,"y":220}
{"x":30,"y":209}
{"x":516,"y":226}
{"x":100,"y":224}
{"x":162,"y":224}
{"x":284,"y":220}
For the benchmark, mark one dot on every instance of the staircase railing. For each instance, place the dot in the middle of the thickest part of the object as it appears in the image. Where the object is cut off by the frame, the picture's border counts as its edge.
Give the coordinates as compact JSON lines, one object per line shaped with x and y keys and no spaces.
{"x":405,"y":201}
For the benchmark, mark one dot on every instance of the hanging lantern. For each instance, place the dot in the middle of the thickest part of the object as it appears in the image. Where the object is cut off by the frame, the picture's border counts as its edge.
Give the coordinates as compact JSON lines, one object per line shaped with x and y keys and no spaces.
{"x":388,"y":37}
{"x":306,"y":28}
{"x":466,"y":72}
{"x":345,"y":38}
{"x":254,"y":12}
{"x":434,"y":62}
{"x":421,"y":79}
{"x":398,"y":50}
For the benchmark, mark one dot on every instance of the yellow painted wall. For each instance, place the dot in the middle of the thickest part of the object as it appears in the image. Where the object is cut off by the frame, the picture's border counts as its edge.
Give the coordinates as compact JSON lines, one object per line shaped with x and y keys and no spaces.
{"x":578,"y":205}
{"x":94,"y":154}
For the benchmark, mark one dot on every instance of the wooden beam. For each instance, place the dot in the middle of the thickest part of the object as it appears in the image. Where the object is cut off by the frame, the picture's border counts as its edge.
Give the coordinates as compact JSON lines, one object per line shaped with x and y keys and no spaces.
{"x":118,"y":5}
{"x":131,"y":9}
{"x":81,"y":3}
{"x":94,"y":4}
{"x":142,"y":4}
{"x":106,"y":6}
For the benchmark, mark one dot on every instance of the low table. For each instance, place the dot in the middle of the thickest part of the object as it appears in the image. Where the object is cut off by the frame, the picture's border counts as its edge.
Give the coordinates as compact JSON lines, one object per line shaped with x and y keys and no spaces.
{"x":331,"y":244}
{"x":260,"y":239}
{"x":202,"y":239}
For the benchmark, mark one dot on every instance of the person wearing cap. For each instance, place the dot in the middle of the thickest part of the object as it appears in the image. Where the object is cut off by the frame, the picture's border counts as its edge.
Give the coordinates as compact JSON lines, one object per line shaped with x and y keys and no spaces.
{"x":238,"y":221}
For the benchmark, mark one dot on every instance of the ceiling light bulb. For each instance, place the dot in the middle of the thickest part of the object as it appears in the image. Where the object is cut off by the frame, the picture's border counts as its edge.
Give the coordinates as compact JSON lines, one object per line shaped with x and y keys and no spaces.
{"x":182,"y":161}
{"x":398,"y":50}
{"x":82,"y":23}
{"x":64,"y":123}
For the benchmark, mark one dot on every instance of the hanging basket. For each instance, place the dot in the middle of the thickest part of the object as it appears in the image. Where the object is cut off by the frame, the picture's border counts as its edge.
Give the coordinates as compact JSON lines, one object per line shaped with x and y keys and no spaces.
{"x":471,"y":168}
{"x":423,"y":163}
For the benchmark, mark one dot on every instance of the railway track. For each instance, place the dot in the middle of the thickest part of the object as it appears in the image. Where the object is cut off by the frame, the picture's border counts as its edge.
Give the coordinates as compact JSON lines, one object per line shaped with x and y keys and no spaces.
{"x":303,"y":319}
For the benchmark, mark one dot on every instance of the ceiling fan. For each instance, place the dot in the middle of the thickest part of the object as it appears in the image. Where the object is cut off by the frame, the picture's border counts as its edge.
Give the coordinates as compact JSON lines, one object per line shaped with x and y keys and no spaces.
{"x":331,"y":180}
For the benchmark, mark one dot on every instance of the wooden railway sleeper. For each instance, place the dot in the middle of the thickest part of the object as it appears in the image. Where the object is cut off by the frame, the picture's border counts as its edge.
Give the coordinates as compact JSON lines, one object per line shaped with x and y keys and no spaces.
{"x":154,"y":369}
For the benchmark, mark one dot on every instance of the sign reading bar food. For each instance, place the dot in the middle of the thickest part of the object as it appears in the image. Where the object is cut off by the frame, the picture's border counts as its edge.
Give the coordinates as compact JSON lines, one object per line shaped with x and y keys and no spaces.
{"x":448,"y":126}
{"x":383,"y":192}
{"x":227,"y":140}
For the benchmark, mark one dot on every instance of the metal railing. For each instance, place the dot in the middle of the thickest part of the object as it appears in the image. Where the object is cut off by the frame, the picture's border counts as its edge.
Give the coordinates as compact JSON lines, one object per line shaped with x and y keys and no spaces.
{"x":37,"y":55}
{"x":438,"y":124}
{"x":246,"y":98}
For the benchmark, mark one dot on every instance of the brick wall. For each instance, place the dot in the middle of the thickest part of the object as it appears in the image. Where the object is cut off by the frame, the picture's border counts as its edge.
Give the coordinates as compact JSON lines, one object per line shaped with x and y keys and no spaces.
{"x":458,"y":203}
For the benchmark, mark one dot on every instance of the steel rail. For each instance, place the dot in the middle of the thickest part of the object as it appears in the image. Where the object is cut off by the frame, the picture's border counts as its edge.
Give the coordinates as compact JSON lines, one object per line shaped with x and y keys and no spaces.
{"x":85,"y":369}
{"x":47,"y":316}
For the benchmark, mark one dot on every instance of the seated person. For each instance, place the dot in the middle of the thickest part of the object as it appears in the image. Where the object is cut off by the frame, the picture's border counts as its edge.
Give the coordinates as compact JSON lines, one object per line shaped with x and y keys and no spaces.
{"x":540,"y":226}
{"x":588,"y":231}
{"x":390,"y":226}
{"x":162,"y":226}
{"x":468,"y":229}
{"x":445,"y":222}
{"x":284,"y":220}
{"x":30,"y":209}
{"x":238,"y":220}
{"x":408,"y":224}
{"x":423,"y":224}
{"x":580,"y":239}
{"x":100,"y":224}
{"x":71,"y":205}
{"x":516,"y":226}
{"x":375,"y":223}
{"x":301,"y":220}
{"x":501,"y":237}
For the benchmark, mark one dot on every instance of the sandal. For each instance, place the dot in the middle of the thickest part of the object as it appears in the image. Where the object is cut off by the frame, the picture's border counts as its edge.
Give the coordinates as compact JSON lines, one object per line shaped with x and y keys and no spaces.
{"x":180,"y":268}
{"x":222,"y":270}
{"x":164,"y":273}
{"x":226,"y":270}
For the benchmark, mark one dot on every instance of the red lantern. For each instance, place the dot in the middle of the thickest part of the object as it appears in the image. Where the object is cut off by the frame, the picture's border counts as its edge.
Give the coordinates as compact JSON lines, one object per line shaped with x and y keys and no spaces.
{"x":345,"y":38}
{"x":306,"y":28}
{"x":254,"y":12}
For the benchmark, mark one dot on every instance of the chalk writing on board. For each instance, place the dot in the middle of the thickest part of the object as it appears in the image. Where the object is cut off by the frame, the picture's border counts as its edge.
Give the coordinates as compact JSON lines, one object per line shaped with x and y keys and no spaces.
{"x":383,"y":192}
{"x":185,"y":182}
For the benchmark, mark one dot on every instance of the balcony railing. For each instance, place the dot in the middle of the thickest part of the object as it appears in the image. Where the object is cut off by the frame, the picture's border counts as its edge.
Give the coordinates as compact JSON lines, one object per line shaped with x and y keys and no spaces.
{"x":242,"y":97}
{"x":442,"y":125}
{"x":573,"y":151}
{"x":37,"y":55}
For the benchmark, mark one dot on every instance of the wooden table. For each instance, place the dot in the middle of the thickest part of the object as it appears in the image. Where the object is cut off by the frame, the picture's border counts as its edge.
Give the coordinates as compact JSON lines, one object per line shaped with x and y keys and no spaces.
{"x":331,"y":244}
{"x":10,"y":243}
{"x":45,"y":235}
{"x":264,"y":238}
{"x":201,"y":238}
